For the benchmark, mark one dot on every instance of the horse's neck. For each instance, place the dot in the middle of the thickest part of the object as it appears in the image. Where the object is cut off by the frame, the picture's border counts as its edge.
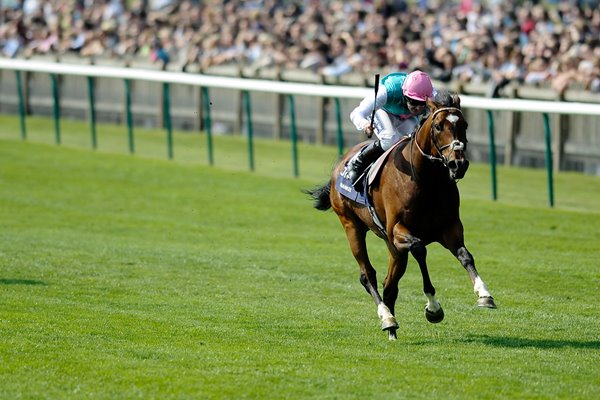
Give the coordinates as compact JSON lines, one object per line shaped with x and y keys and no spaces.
{"x":422,"y":168}
{"x":420,"y":145}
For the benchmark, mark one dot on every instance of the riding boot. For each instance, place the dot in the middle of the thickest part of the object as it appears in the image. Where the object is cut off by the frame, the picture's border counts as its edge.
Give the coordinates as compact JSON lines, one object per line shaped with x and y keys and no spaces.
{"x":362,"y":160}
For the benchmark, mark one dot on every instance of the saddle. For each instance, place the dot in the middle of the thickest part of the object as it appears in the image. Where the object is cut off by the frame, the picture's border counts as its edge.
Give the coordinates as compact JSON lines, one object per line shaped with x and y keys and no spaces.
{"x":368,"y":178}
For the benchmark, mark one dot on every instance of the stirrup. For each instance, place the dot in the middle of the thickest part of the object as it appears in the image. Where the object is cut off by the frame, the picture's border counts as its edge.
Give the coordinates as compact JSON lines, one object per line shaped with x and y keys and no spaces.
{"x":358,"y":184}
{"x":351,"y":171}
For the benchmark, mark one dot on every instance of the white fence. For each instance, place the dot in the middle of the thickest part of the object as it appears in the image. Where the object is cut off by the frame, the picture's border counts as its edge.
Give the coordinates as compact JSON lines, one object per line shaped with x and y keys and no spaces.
{"x":329,"y":91}
{"x":489,"y":106}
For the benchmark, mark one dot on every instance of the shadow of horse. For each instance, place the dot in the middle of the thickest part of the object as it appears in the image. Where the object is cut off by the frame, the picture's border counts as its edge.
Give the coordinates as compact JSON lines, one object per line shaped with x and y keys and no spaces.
{"x":517,"y":342}
{"x":22,"y":282}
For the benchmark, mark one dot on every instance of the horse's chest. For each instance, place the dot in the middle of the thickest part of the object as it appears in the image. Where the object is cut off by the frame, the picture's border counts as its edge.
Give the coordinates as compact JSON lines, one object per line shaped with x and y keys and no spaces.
{"x":430,"y":209}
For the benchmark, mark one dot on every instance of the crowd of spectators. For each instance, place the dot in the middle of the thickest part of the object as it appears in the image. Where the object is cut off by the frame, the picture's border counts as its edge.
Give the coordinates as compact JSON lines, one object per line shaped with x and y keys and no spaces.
{"x":552,"y":43}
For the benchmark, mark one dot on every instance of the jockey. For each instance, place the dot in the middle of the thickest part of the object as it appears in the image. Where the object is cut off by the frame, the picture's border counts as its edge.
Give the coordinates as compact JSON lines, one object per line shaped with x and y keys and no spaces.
{"x":400,"y":100}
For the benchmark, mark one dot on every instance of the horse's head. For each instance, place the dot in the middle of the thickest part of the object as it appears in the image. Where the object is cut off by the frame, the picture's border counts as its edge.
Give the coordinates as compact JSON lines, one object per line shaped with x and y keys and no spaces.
{"x":448,"y":134}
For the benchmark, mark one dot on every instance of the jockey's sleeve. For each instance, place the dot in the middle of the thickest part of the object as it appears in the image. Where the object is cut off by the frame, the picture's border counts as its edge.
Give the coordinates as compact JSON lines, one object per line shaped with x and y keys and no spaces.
{"x":361,"y":115}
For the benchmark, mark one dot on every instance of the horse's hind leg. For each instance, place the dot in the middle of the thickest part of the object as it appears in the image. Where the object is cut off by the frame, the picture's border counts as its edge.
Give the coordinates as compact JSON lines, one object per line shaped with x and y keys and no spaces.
{"x":356,"y":235}
{"x":433,"y":309}
{"x":396,"y":270}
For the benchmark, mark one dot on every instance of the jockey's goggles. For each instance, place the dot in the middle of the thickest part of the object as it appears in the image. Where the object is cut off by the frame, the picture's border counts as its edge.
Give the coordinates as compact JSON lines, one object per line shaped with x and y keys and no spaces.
{"x":414,"y":103}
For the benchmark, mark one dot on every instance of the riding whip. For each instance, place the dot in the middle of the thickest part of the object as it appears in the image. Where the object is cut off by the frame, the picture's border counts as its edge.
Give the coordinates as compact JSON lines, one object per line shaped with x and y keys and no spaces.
{"x":374,"y":104}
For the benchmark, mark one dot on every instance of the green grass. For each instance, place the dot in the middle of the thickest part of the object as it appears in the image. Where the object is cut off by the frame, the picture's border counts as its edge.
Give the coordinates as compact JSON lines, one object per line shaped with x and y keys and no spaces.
{"x":138,"y":277}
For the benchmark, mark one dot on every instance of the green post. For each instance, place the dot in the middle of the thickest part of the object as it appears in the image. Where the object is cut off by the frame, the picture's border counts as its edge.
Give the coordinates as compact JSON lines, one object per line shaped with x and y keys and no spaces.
{"x":340,"y":136}
{"x":492,"y":154}
{"x":167,"y":114}
{"x":293,"y":134}
{"x":129,"y":116}
{"x":249,"y":129}
{"x":549,"y":160}
{"x":90,"y":82}
{"x":208,"y":124}
{"x":56,"y":108}
{"x":21,"y":105}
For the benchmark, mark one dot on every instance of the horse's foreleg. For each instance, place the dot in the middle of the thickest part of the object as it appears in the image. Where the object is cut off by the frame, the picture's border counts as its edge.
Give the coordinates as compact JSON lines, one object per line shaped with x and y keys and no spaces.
{"x":403,"y":241}
{"x":485,"y":298}
{"x":453,"y":240}
{"x":368,"y":276}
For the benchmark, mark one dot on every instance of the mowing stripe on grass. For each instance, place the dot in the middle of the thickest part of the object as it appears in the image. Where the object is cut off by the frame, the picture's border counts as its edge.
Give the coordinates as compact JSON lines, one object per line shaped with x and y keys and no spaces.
{"x":126,"y":277}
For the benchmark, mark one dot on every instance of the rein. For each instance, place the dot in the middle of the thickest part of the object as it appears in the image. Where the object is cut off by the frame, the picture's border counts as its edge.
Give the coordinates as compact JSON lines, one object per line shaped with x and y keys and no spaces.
{"x":455,"y":144}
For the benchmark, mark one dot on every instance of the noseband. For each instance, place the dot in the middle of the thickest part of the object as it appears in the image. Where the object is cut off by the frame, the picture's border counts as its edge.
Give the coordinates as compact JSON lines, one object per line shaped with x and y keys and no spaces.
{"x":455,"y":145}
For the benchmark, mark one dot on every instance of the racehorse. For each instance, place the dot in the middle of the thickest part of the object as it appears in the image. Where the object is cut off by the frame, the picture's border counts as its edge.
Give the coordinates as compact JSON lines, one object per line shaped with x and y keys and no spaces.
{"x":416,"y":201}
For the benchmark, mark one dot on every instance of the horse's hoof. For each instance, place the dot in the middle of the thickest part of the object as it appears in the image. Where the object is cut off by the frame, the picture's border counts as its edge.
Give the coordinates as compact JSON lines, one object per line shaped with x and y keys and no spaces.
{"x":389,"y":323}
{"x":487,"y":302}
{"x":434,"y":317}
{"x":392,"y":335}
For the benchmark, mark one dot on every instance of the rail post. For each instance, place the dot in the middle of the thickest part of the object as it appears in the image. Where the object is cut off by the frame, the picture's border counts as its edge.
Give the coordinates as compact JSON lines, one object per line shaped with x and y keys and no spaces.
{"x":208,"y":124}
{"x":322,"y":103}
{"x":167,"y":114}
{"x":90,"y":84}
{"x":249,"y":130}
{"x":129,"y":116}
{"x":340,"y":135}
{"x":21,"y":105}
{"x":549,"y":159}
{"x":56,"y":108}
{"x":492,"y":154}
{"x":294,"y":135}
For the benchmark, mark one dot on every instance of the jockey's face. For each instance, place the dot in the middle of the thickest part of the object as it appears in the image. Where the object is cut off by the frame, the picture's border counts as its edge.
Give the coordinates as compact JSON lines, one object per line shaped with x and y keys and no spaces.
{"x":415,"y":106}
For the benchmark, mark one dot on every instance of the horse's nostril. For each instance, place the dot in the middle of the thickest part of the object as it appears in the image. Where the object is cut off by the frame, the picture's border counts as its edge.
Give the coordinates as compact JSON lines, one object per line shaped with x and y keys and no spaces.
{"x":453,"y":165}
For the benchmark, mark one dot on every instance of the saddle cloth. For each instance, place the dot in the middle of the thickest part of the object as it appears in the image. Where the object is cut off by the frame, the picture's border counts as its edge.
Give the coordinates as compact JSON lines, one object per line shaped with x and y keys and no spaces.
{"x":367,"y":179}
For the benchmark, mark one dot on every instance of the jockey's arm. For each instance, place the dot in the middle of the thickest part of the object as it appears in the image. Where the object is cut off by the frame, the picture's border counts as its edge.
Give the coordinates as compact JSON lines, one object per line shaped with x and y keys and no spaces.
{"x":361,"y":115}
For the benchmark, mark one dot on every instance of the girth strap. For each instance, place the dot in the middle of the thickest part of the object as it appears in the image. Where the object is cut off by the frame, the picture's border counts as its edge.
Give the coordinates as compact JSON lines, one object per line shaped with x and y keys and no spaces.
{"x":369,"y":204}
{"x":376,"y":219}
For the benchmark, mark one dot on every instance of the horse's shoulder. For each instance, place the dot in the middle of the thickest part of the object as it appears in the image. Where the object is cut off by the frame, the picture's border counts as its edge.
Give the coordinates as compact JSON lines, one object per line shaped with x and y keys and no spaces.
{"x":399,"y":159}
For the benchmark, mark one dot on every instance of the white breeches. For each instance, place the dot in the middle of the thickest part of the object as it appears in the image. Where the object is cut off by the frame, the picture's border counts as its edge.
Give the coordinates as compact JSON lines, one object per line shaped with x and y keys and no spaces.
{"x":389,"y":129}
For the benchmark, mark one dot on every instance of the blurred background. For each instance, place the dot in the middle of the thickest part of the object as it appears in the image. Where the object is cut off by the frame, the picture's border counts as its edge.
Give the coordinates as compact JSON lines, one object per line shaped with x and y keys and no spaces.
{"x":546,"y":50}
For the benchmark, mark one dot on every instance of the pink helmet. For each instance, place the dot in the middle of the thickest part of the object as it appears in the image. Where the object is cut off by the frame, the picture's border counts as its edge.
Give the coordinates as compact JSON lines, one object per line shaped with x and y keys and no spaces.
{"x":418,"y":86}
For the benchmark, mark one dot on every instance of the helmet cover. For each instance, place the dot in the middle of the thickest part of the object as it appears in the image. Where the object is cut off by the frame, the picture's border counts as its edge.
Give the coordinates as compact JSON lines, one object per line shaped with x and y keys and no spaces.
{"x":417,"y":86}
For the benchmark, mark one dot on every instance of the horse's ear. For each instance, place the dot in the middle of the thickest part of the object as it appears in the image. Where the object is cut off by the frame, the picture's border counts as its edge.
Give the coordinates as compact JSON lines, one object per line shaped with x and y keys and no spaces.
{"x":456,"y":100}
{"x":431,"y":105}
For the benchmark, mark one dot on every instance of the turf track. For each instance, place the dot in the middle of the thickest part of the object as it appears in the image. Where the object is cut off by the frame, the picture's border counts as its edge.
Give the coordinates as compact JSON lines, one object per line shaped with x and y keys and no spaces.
{"x":129,"y":277}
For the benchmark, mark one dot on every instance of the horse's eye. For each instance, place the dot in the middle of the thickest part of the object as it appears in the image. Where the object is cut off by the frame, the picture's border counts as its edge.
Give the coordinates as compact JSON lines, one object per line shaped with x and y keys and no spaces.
{"x":437,"y":127}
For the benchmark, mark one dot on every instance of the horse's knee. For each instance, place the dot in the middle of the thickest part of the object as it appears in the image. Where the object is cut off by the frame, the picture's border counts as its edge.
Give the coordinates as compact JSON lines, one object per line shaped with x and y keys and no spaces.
{"x":418,"y":249}
{"x":363,"y":279}
{"x":390,"y":295}
{"x":404,"y":241}
{"x":465,"y":257}
{"x":367,"y":281}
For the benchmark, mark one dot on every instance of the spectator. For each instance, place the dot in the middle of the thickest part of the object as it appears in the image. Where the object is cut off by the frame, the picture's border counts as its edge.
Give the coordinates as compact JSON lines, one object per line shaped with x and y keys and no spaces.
{"x":469,"y":41}
{"x":316,"y":55}
{"x":342,"y":55}
{"x":158,"y":54}
{"x":538,"y":71}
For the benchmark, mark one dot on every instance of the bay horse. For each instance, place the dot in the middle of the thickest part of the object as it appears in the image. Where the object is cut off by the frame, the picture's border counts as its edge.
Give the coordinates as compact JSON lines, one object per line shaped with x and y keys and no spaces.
{"x":416,"y":201}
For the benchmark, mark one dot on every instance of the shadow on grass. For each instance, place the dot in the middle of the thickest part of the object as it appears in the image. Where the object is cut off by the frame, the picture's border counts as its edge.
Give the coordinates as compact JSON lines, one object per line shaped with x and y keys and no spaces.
{"x":21,"y":282}
{"x":516,"y":342}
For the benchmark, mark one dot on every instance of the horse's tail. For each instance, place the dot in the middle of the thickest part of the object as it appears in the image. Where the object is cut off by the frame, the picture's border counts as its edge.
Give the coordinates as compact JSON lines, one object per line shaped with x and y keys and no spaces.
{"x":320,"y":195}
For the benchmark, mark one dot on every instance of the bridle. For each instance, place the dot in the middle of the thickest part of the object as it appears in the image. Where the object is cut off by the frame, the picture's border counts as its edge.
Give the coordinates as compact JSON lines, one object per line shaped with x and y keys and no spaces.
{"x":455,"y":145}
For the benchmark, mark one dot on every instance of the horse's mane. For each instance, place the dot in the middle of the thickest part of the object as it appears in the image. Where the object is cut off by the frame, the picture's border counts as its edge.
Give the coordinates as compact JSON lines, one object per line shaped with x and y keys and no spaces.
{"x":446,"y":98}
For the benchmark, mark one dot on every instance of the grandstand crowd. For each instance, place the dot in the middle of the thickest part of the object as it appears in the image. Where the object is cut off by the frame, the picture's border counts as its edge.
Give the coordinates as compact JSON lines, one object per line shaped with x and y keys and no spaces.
{"x":551,"y":43}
